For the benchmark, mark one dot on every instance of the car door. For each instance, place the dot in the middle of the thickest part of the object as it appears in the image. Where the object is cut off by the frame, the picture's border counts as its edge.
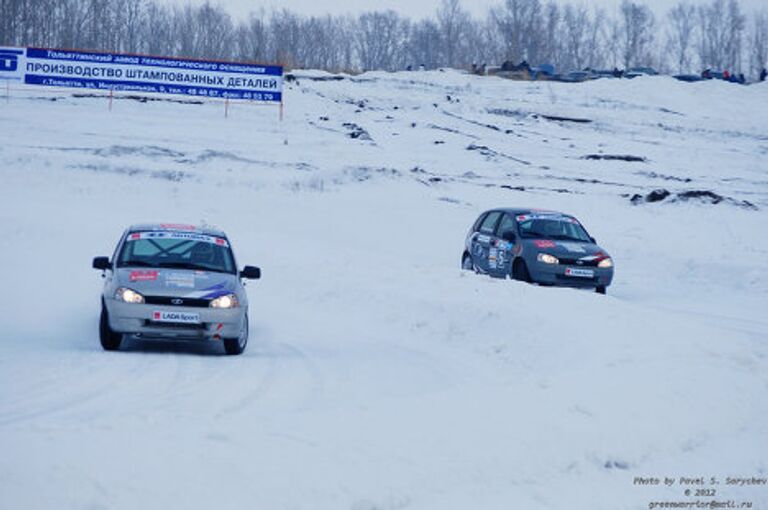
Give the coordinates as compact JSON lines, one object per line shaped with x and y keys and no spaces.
{"x":502,"y":243}
{"x":481,"y":241}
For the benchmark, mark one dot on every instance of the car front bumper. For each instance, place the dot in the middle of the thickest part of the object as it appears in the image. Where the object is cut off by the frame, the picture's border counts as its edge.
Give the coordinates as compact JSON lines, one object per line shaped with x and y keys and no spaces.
{"x":214,"y":323}
{"x":556,"y":274}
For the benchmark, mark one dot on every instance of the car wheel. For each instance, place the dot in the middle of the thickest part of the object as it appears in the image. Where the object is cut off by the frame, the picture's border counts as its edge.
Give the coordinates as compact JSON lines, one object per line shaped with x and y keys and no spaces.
{"x":466,"y":262}
{"x":601,"y":289}
{"x":234,"y":346}
{"x":520,"y":271}
{"x":110,"y":340}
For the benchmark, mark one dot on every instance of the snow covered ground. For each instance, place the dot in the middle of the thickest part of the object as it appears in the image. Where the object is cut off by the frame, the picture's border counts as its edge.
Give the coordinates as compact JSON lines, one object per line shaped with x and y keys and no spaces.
{"x":379,"y":375}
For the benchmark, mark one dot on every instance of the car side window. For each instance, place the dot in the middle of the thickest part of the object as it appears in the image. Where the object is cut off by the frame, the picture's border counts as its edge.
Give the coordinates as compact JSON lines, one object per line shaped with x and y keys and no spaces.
{"x":489,"y":223}
{"x":507,"y":225}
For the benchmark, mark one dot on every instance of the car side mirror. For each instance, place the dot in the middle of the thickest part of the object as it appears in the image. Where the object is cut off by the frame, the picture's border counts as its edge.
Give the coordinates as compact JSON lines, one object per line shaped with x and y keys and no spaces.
{"x":594,"y":241}
{"x":509,"y":235}
{"x":250,"y":273}
{"x":101,"y":263}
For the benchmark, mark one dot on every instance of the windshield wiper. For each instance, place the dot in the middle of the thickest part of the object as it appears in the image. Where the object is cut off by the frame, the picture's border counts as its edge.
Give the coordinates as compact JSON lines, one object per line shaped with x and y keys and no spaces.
{"x":189,"y":265}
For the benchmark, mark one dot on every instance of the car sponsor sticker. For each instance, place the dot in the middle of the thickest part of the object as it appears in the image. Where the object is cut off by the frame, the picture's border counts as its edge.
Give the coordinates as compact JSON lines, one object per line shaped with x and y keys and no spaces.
{"x":573,"y":247}
{"x":177,"y":226}
{"x":178,"y":317}
{"x":539,"y":216}
{"x":492,"y":257}
{"x":182,"y":236}
{"x":180,"y":280}
{"x":143,"y":276}
{"x":544,"y":243}
{"x":580,"y":273}
{"x":543,"y":215}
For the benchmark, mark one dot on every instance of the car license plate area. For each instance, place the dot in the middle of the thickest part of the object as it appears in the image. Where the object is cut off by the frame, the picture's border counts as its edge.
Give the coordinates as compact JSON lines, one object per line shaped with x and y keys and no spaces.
{"x":174,"y":317}
{"x":577,"y":272}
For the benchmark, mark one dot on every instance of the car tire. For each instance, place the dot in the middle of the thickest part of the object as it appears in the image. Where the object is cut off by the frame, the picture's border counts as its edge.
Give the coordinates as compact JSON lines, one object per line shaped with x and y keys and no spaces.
{"x":520,"y":271}
{"x":110,"y":340}
{"x":600,"y":289}
{"x":235,"y":346}
{"x":466,"y":262}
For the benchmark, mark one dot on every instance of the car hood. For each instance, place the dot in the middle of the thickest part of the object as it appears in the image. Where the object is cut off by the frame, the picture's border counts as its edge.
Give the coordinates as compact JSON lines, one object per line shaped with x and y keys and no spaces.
{"x":177,"y":282}
{"x":565,"y":249}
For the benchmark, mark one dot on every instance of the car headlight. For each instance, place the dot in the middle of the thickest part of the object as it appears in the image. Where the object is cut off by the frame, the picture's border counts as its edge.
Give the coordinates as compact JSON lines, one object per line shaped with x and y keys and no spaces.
{"x":129,"y":296}
{"x":605,"y":263}
{"x":228,"y":301}
{"x":547,"y":258}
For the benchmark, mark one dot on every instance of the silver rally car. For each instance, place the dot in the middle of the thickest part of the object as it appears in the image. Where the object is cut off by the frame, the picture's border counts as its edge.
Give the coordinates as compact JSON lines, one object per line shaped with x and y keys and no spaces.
{"x":537,"y":246}
{"x":174,"y":282}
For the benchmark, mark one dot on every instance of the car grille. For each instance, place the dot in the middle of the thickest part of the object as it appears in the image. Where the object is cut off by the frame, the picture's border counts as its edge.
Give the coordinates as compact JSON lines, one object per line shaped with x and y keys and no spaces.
{"x":578,"y":262}
{"x":174,"y":301}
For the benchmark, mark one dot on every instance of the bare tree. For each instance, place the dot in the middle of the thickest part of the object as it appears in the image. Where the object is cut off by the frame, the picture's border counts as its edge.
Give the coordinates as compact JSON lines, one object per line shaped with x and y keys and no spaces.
{"x":569,"y":36}
{"x":575,"y":37}
{"x":454,"y":25}
{"x":157,"y":31}
{"x":132,"y":16}
{"x":285,"y":37}
{"x":759,"y":42}
{"x":251,"y":39}
{"x":721,"y":28}
{"x":682,"y":23}
{"x":637,"y":25}
{"x":424,"y":45}
{"x":519,"y":24}
{"x":550,"y":40}
{"x":381,"y":38}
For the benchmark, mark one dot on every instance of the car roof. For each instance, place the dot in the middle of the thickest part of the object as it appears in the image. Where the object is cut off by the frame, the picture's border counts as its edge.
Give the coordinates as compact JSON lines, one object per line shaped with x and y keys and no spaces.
{"x":176,"y":227}
{"x":514,"y":211}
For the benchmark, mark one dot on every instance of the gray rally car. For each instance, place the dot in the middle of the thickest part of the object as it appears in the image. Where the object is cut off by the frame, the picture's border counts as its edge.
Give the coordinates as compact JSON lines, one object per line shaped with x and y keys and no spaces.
{"x":174,"y":282}
{"x":537,"y":246}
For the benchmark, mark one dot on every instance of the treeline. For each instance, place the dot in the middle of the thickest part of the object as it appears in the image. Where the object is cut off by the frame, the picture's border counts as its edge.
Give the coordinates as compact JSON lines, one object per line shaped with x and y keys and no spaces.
{"x":687,"y":38}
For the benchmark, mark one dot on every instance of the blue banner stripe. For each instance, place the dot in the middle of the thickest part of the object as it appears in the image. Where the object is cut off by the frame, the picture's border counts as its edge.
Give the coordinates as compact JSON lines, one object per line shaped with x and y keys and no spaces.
{"x":11,"y":51}
{"x":183,"y":64}
{"x":130,"y":86}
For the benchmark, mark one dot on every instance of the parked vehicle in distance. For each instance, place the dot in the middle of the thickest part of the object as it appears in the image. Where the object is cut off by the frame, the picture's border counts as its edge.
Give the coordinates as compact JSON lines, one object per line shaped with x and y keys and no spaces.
{"x":174,"y":282}
{"x":574,"y":77}
{"x":634,"y":72}
{"x":688,"y":77}
{"x":536,"y":246}
{"x":605,"y":73}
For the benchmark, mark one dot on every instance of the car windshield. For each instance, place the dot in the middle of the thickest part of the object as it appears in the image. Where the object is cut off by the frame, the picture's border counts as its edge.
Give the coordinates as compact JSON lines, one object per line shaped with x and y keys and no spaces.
{"x":554,"y":227}
{"x":178,"y":250}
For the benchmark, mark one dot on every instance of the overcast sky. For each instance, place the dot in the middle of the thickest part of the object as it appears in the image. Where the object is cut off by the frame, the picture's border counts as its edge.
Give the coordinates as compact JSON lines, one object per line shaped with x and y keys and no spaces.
{"x":410,"y":8}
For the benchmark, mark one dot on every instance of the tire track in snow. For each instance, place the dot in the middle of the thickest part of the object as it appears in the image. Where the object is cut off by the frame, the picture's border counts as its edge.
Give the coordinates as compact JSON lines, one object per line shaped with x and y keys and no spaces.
{"x":278,"y":353}
{"x":47,"y":400}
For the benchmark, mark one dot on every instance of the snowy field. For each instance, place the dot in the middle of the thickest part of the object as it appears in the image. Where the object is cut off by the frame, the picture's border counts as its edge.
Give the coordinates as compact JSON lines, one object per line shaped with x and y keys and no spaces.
{"x":378,"y":374}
